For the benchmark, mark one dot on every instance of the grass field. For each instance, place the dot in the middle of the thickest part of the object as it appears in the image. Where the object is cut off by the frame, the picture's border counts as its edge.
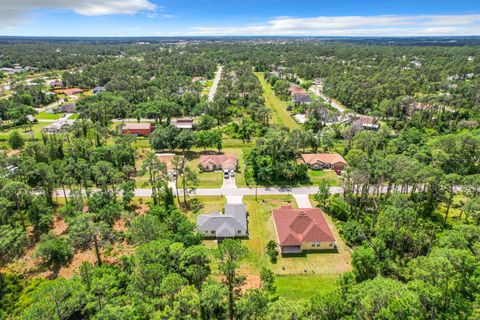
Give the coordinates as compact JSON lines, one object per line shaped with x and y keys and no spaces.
{"x":280,"y":113}
{"x":317,"y":175}
{"x":48,"y":116}
{"x":208,"y":204}
{"x":36,"y":131}
{"x":298,"y":287}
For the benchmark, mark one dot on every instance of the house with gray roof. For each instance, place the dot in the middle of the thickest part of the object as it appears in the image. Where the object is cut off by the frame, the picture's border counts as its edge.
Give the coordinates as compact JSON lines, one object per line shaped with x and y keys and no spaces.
{"x":230,"y":224}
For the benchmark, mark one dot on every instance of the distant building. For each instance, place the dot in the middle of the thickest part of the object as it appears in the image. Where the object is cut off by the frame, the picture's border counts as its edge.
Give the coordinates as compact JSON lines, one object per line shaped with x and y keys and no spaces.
{"x":139,"y":129}
{"x":31,"y":118}
{"x":231,"y":224}
{"x":182,"y":123}
{"x":302,"y":229}
{"x":58,"y":126}
{"x":299,"y":95}
{"x":198,"y":79}
{"x":67,"y":108}
{"x":366,"y":123}
{"x":56,"y":84}
{"x":68,"y":92}
{"x":318,"y":161}
{"x":97,"y":90}
{"x":218,"y":162}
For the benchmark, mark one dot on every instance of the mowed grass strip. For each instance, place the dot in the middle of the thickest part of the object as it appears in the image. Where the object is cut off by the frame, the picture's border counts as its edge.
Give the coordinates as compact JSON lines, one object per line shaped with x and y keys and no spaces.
{"x":280,"y":113}
{"x":303,"y":287}
{"x":48,"y":115}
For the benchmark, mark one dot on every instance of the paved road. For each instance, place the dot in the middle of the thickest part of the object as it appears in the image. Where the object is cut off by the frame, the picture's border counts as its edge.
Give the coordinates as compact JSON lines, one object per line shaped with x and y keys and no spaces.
{"x":316,"y":91}
{"x":232,"y":191}
{"x":213,"y":89}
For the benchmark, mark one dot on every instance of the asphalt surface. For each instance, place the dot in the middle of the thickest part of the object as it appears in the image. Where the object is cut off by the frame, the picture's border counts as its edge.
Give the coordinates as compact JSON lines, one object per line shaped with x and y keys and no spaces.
{"x":213,"y":89}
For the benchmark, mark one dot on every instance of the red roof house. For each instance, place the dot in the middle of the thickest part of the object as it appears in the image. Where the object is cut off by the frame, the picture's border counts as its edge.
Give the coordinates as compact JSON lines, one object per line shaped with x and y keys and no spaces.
{"x":139,"y":129}
{"x":72,"y":91}
{"x":218,"y":162}
{"x":319,"y":161}
{"x":302,"y":229}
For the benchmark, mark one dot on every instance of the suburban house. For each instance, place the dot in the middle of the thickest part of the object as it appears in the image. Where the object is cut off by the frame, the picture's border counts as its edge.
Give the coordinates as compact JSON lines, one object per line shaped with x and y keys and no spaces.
{"x":182,"y":123}
{"x":232,"y":223}
{"x":167,"y":158}
{"x":366,"y":123}
{"x":299,"y":95}
{"x":139,"y":129}
{"x":72,"y":91}
{"x":59,"y":126}
{"x":56,"y":84}
{"x":319,"y":161}
{"x":31,"y":118}
{"x":302,"y":229}
{"x":97,"y":90}
{"x":198,"y":79}
{"x":67,"y":108}
{"x":218,"y":162}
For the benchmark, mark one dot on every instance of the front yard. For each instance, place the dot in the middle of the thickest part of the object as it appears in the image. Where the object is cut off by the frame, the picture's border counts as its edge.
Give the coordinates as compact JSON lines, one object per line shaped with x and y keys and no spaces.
{"x":316,"y":176}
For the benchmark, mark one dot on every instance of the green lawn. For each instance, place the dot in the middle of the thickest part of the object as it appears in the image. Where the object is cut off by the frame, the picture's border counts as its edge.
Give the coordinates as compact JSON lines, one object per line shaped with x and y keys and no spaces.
{"x":317,"y":175}
{"x":206,"y":204}
{"x":280,"y":113}
{"x":303,"y":287}
{"x":210,"y":179}
{"x":48,"y":116}
{"x":36,"y":130}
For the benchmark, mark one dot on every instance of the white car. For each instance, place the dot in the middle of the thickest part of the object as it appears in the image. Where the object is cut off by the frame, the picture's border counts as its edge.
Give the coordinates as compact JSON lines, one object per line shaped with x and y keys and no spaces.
{"x":232,"y":173}
{"x":225,"y":174}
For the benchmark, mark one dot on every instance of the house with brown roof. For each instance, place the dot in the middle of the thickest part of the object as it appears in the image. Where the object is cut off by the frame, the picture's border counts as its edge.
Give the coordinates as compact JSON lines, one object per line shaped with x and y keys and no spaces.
{"x":167,"y":158}
{"x":319,"y":161}
{"x":303,"y":229}
{"x":139,"y":129}
{"x":72,"y":91}
{"x":366,"y":123}
{"x":218,"y":162}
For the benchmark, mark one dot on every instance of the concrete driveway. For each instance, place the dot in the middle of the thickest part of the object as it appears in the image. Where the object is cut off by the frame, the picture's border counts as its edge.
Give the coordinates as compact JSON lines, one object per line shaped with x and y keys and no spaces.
{"x":302,"y":200}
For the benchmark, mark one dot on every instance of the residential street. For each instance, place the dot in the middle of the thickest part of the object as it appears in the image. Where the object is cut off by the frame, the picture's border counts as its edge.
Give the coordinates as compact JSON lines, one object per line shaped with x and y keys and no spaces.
{"x":213,"y":89}
{"x":316,"y":91}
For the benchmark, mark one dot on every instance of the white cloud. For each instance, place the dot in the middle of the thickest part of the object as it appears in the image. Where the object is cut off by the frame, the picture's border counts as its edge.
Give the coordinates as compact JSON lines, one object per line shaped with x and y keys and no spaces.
{"x":383,"y":25}
{"x":12,"y":12}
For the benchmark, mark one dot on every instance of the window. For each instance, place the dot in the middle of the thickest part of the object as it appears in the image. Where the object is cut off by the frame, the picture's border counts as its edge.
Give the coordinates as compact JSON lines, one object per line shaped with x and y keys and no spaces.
{"x":330,"y":244}
{"x":213,"y":231}
{"x":318,"y":244}
{"x":239,"y":231}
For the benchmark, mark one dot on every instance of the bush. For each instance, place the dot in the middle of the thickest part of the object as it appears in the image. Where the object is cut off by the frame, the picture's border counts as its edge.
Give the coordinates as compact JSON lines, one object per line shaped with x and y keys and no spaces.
{"x":54,"y":250}
{"x":16,"y":140}
{"x":271,"y":249}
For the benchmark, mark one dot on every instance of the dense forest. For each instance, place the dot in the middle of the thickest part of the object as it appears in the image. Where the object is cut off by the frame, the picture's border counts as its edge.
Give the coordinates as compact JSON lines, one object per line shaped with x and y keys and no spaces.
{"x":409,"y":206}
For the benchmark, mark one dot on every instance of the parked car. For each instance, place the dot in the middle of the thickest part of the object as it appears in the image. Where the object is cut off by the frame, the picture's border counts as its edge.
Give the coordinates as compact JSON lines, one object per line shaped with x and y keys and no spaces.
{"x":232,"y":173}
{"x":226,"y":174}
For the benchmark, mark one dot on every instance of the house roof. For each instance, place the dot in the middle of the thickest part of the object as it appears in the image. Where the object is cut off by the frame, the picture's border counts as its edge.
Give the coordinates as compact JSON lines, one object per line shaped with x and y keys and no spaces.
{"x":182,"y":123}
{"x":136,"y":126}
{"x":58,"y":125}
{"x":166,"y":158}
{"x":330,"y":158}
{"x":297,"y":226}
{"x":218,"y":159}
{"x":72,"y":91}
{"x":225,"y":225}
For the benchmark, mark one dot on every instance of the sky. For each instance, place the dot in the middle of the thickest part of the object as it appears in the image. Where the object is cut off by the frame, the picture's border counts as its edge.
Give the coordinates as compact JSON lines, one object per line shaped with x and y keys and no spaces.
{"x":107,"y":18}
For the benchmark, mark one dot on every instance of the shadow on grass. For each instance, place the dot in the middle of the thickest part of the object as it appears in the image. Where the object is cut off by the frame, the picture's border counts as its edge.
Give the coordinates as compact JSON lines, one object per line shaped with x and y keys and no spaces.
{"x":305,"y":253}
